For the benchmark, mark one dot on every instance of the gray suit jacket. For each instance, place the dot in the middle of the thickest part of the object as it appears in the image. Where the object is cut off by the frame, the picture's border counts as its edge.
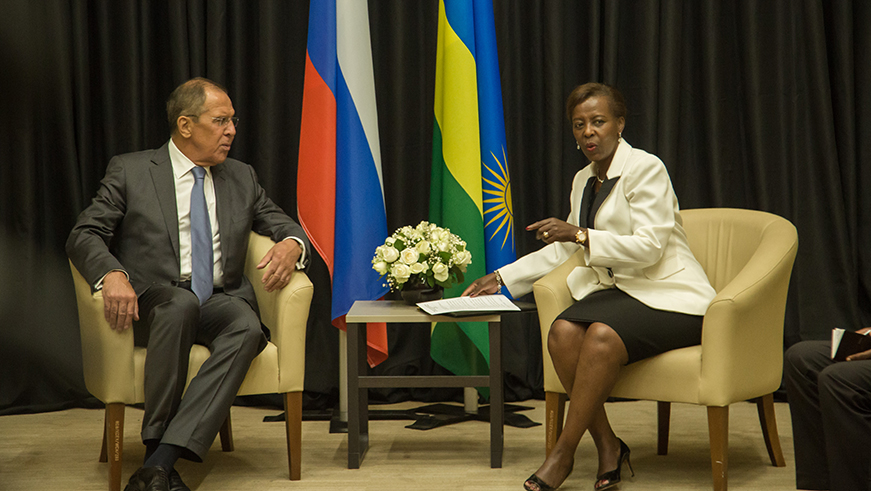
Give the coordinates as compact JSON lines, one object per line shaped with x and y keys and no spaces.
{"x":132,"y":223}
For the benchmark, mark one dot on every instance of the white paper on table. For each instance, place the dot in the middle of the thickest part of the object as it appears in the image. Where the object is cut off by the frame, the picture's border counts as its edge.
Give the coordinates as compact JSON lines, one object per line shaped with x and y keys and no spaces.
{"x":481,"y":303}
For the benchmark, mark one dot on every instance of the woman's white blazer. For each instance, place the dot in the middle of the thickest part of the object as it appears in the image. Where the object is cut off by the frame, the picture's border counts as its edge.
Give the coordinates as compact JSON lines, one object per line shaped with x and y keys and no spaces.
{"x":637,"y":242}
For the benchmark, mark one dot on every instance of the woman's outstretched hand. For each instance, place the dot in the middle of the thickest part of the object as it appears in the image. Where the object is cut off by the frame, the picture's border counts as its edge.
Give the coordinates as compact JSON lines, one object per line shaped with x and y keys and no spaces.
{"x":552,"y":230}
{"x":484,"y":285}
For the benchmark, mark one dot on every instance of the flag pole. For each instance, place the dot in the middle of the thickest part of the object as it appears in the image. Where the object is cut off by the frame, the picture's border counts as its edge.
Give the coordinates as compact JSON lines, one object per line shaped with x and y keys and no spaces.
{"x":470,"y":400}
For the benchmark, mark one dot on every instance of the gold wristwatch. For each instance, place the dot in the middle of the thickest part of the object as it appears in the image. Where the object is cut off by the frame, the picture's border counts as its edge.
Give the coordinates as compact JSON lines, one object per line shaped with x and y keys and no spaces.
{"x":581,"y":236}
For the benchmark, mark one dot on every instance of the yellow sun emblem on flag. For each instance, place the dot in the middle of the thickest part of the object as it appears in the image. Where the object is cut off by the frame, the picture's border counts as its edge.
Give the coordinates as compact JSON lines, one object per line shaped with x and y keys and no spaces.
{"x":498,"y":202}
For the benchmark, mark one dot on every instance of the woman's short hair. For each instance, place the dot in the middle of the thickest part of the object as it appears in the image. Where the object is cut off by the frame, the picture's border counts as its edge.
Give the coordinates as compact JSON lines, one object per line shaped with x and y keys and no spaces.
{"x":594,"y":89}
{"x":188,"y":99}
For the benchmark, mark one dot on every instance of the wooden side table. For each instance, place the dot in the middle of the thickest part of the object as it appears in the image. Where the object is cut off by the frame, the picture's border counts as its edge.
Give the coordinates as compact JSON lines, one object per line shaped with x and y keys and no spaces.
{"x":358,"y":385}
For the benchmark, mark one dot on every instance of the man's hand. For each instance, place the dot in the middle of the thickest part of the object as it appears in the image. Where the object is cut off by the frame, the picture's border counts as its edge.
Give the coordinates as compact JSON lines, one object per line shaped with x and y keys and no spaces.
{"x":865,"y":355}
{"x":280,"y":263}
{"x":119,"y":301}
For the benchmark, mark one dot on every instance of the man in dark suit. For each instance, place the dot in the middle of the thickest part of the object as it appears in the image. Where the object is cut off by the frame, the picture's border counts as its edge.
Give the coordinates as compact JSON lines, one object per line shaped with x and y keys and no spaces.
{"x":166,"y":239}
{"x":830,"y":405}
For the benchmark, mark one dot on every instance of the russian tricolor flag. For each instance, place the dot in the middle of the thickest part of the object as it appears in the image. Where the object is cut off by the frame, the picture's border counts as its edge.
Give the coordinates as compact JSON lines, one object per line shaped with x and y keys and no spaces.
{"x":340,"y":191}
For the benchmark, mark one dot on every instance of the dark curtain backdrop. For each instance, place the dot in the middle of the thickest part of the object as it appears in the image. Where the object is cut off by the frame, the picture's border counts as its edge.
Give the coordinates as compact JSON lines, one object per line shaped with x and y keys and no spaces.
{"x":751,"y":104}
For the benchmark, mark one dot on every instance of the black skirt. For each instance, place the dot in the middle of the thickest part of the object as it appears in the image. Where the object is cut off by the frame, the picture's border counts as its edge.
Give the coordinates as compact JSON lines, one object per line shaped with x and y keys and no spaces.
{"x":645,"y":331}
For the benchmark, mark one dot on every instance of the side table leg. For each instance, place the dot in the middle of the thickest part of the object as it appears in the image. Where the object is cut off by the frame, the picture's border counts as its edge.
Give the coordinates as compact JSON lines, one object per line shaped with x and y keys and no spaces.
{"x":358,"y":398}
{"x":497,"y":406}
{"x":363,"y":392}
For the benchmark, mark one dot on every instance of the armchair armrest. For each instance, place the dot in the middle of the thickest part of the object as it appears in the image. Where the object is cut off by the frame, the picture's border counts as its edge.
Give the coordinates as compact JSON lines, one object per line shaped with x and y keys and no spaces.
{"x":284,"y":312}
{"x":552,"y":296}
{"x":107,"y":356}
{"x":742,"y":337}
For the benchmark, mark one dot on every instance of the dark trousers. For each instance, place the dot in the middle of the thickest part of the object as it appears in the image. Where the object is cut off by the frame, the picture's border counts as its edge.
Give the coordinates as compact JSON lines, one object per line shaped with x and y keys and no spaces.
{"x":171,"y":321}
{"x":830,"y":404}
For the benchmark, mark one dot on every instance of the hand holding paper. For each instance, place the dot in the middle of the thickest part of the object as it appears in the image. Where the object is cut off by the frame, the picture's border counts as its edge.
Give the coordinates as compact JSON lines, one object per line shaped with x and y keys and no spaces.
{"x":851,"y":346}
{"x":864,"y":355}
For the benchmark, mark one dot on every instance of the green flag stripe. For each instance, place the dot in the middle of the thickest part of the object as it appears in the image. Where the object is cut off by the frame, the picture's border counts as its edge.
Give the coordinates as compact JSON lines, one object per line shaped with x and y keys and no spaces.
{"x":451,"y":207}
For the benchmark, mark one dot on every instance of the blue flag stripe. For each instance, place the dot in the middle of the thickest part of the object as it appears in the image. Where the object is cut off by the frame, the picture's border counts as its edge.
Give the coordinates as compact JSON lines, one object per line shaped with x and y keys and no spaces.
{"x":460,"y":14}
{"x":498,"y":228}
{"x":361,"y":223}
{"x":321,"y":40}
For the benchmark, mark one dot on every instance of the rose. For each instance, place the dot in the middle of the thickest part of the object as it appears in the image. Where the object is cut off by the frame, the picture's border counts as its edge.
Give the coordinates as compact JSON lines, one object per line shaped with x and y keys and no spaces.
{"x":463,"y":258}
{"x":444,"y":246}
{"x":418,"y":268}
{"x":401,"y":272}
{"x":380,"y":267}
{"x":440,"y":272}
{"x":423,"y":247}
{"x":409,"y":255}
{"x":389,"y":253}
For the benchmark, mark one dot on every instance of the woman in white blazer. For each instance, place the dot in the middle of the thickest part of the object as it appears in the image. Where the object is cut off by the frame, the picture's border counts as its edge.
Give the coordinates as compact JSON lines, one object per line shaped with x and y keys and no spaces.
{"x":641,"y":292}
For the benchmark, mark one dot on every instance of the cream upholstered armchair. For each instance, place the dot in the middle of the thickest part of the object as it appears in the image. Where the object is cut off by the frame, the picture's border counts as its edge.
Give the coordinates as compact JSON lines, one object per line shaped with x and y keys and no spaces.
{"x":748,"y":257}
{"x":114,"y":368}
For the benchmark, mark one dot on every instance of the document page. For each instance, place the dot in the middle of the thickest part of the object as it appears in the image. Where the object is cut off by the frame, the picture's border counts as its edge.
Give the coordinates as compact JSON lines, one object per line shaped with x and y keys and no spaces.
{"x":482,"y":303}
{"x":837,"y":334}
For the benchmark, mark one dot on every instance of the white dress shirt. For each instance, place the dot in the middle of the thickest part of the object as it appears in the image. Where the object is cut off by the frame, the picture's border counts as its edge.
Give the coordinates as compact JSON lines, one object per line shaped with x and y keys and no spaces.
{"x":182,"y":168}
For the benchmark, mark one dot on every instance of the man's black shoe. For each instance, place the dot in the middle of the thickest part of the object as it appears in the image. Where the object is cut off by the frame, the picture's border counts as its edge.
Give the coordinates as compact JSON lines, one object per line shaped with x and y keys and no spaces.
{"x":148,"y":479}
{"x":175,"y":482}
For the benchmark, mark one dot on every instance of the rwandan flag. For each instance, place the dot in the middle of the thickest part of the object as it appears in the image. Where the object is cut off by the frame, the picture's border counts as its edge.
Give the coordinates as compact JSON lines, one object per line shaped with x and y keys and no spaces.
{"x":470,"y":190}
{"x":340,"y":193}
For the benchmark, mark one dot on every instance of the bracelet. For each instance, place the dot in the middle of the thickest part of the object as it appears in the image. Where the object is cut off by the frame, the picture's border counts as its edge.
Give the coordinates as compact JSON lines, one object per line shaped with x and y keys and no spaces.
{"x":498,"y":280}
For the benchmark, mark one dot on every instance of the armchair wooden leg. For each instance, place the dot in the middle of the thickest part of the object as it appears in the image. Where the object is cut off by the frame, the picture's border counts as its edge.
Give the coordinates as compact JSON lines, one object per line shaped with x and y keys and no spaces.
{"x":765,"y":408}
{"x":227,"y":435}
{"x":718,"y":429}
{"x":293,"y":423}
{"x":555,"y":408}
{"x":104,"y":454}
{"x":663,"y":418}
{"x":113,"y":443}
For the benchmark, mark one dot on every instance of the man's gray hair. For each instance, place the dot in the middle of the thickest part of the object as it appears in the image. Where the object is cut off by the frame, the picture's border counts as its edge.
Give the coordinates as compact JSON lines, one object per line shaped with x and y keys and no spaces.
{"x":187,"y":100}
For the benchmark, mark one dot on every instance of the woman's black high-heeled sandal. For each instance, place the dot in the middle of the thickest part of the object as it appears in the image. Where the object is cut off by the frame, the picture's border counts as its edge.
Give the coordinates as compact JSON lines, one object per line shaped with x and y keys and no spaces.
{"x":610,"y":479}
{"x":542,"y":486}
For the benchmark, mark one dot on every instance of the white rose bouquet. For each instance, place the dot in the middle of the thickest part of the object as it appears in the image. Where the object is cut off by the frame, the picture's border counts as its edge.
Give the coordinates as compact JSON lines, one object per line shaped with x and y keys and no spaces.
{"x":425,"y":255}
